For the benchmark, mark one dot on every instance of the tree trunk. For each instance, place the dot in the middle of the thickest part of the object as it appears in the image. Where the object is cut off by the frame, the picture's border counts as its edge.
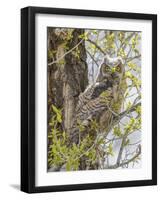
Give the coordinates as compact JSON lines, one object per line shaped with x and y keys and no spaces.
{"x":68,"y":77}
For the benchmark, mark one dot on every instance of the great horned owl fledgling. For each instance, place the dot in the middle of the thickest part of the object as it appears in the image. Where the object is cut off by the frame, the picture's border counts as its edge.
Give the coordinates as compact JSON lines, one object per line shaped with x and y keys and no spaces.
{"x":99,"y":97}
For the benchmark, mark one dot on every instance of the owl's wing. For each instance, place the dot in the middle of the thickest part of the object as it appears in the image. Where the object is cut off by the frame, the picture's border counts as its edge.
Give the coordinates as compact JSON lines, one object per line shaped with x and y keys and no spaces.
{"x":91,"y":104}
{"x":89,"y":111}
{"x":92,"y":109}
{"x":85,"y":97}
{"x":92,"y":92}
{"x":99,"y":88}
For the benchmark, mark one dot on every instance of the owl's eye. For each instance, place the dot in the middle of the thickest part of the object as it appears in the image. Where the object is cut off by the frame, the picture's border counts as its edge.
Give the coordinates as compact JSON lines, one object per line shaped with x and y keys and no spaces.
{"x":107,"y":69}
{"x":118,"y":69}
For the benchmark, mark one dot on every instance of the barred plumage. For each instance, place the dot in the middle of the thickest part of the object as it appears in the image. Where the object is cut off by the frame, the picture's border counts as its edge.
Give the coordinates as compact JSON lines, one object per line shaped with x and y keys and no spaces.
{"x":94,"y":105}
{"x":85,"y":97}
{"x":98,"y":97}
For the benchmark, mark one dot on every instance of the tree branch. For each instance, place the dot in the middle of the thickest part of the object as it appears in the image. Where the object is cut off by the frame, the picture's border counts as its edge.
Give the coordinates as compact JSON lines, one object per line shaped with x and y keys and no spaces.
{"x":123,"y":45}
{"x":124,"y":113}
{"x":128,"y":161}
{"x":132,"y":58}
{"x":92,"y":58}
{"x":121,"y":151}
{"x":56,"y":61}
{"x":96,"y":45}
{"x":118,"y":118}
{"x":127,"y":39}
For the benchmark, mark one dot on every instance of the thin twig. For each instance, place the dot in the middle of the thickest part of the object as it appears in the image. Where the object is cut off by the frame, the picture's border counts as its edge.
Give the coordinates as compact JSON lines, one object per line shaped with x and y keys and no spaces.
{"x":132,"y":58}
{"x":92,"y":58}
{"x":121,"y":150}
{"x":56,"y":61}
{"x":126,"y":162}
{"x":124,"y":113}
{"x":96,"y":45}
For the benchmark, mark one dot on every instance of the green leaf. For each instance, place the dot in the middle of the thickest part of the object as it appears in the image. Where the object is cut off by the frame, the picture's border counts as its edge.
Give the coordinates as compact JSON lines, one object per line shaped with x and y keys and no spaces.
{"x":128,"y":74}
{"x":58,"y":113}
{"x":117,"y":131}
{"x":122,"y":53}
{"x":87,"y":153}
{"x":138,"y":109}
{"x":131,"y":65}
{"x":68,"y":167}
{"x":84,"y":36}
{"x":128,"y":105}
{"x":80,"y":126}
{"x":64,"y":135}
{"x":110,"y":149}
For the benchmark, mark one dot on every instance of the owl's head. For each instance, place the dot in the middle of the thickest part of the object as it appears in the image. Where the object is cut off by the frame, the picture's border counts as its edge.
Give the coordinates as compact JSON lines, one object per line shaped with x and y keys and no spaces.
{"x":111,"y":69}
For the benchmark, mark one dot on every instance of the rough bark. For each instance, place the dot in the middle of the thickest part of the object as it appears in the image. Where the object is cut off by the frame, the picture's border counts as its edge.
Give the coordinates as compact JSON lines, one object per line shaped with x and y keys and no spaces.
{"x":68,"y":77}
